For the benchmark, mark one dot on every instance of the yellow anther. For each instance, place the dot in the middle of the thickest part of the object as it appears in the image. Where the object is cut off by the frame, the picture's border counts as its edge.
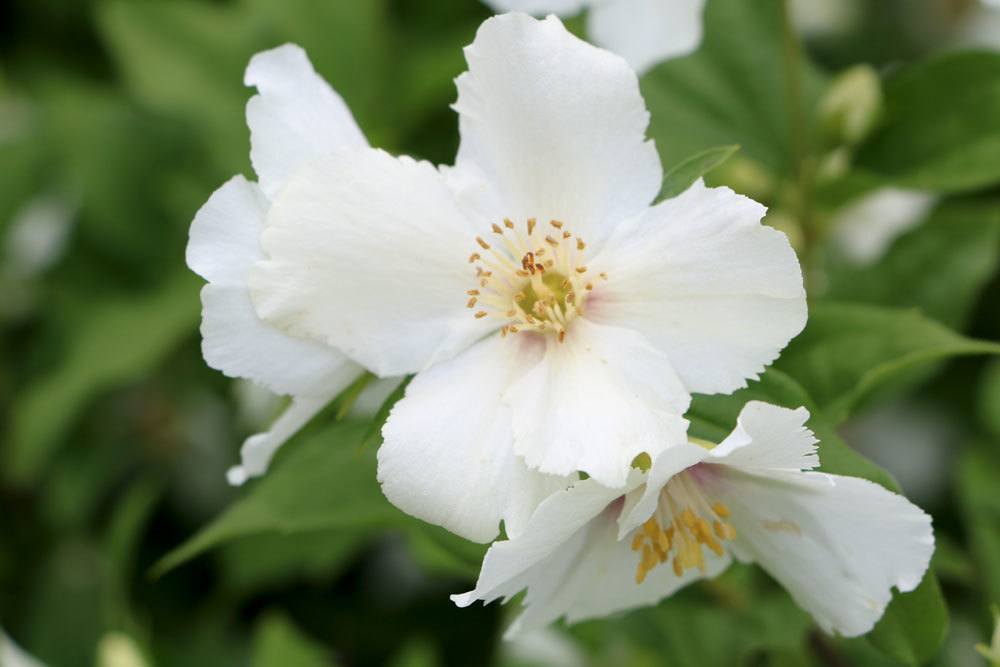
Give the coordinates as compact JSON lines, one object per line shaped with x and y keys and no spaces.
{"x":581,"y":269}
{"x":556,"y":224}
{"x":531,"y":225}
{"x":663,"y":541}
{"x":566,"y":235}
{"x":519,"y":297}
{"x":721,"y":510}
{"x":474,"y":257}
{"x":551,"y":241}
{"x":580,"y":245}
{"x":508,"y":223}
{"x":678,"y":568}
{"x":637,"y":540}
{"x":496,"y":229}
{"x":471,"y":302}
{"x":604,"y":276}
{"x":481,"y":314}
{"x":473,"y":292}
{"x":482,"y":244}
{"x":589,"y":286}
{"x":503,"y":331}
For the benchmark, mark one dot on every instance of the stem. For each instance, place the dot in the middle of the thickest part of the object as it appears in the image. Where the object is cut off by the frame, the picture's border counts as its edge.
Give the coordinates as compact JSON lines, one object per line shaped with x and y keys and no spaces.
{"x":803,"y":168}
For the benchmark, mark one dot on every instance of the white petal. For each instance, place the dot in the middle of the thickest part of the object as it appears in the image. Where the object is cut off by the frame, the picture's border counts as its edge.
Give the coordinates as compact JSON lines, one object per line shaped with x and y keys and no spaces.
{"x":259,"y":449}
{"x":447,"y":455}
{"x":769,"y":437}
{"x":295,"y":117}
{"x":838,"y":544}
{"x":556,"y":125}
{"x":571,"y":564}
{"x":641,"y":503}
{"x":224,"y":240}
{"x":369,"y":253}
{"x":552,"y":531}
{"x":223,"y":246}
{"x":595,"y":402}
{"x":537,"y":7}
{"x":706,"y":283}
{"x":646,"y":32}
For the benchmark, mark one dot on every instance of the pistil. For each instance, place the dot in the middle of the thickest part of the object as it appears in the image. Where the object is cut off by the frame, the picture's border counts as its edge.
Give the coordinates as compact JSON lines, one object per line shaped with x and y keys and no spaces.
{"x":533,"y":281}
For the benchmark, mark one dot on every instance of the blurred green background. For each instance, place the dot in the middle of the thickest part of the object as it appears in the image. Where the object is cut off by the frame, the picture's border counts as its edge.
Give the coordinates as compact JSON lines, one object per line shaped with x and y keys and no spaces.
{"x":118,"y":119}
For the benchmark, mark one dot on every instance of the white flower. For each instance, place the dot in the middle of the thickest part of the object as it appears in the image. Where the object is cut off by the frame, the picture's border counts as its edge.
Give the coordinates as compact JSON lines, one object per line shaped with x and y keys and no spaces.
{"x":838,"y":544}
{"x":644,"y":32}
{"x":295,"y":117}
{"x":569,"y":340}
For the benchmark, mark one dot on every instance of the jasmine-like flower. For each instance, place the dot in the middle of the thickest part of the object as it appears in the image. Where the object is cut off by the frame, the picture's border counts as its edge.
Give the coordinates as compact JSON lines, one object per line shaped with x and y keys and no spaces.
{"x":644,"y":32}
{"x":837,"y":544}
{"x":294,"y":117}
{"x":556,"y":321}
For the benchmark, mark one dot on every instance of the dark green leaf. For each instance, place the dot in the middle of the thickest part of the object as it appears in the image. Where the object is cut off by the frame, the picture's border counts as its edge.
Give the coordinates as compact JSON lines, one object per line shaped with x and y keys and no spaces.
{"x":914,"y":625}
{"x":324,"y":483}
{"x":941,"y":128}
{"x":733,"y":90}
{"x":978,"y":480}
{"x":848,"y":350}
{"x":939,"y":267}
{"x":121,"y":340}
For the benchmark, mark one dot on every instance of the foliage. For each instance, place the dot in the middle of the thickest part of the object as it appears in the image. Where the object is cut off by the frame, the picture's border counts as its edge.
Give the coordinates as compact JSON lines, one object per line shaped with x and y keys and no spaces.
{"x":118,"y":530}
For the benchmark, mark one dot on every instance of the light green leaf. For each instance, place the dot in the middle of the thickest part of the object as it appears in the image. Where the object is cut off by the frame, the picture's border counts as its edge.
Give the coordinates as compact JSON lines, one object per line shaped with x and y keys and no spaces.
{"x":848,"y":350}
{"x":121,"y":340}
{"x":278,"y":643}
{"x":941,"y":127}
{"x":681,"y":176}
{"x":939,"y":267}
{"x":186,"y":59}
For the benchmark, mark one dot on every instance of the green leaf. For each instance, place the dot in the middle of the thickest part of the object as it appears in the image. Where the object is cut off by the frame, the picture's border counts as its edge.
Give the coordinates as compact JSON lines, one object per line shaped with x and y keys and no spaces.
{"x":713,"y":417}
{"x":978,"y":478}
{"x":186,"y":59}
{"x":848,"y":350}
{"x":941,"y":127}
{"x":278,"y":643}
{"x":120,"y":341}
{"x":324,"y":483}
{"x":960,"y":240}
{"x":733,"y":90}
{"x":914,"y":625}
{"x":271,"y":560}
{"x":682,"y":175}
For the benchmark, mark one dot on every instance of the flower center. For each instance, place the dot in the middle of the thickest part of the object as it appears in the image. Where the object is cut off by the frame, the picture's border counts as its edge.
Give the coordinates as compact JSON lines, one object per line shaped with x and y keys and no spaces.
{"x":683,"y":524}
{"x":533,"y":279}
